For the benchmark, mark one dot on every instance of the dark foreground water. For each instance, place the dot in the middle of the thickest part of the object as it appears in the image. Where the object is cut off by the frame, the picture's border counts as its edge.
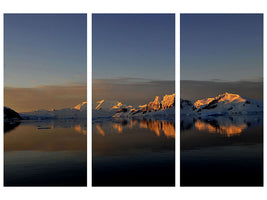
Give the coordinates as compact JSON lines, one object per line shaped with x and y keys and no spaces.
{"x":46,"y":153}
{"x":222,"y":151}
{"x":133,"y":153}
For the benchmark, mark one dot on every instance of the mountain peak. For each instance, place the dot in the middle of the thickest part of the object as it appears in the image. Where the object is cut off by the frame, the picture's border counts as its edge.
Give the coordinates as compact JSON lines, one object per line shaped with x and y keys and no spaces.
{"x":98,"y":107}
{"x":168,"y":101}
{"x":119,"y":105}
{"x":154,"y":105}
{"x":81,"y":106}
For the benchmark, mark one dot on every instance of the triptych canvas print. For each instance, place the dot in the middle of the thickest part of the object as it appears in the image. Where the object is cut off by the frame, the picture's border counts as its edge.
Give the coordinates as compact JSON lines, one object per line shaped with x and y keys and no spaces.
{"x":133,"y":100}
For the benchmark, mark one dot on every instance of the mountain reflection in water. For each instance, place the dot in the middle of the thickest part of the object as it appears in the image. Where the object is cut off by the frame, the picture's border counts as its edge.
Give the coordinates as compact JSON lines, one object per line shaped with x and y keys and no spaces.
{"x":228,"y":129}
{"x":228,"y":125}
{"x":222,"y":151}
{"x":165,"y":128}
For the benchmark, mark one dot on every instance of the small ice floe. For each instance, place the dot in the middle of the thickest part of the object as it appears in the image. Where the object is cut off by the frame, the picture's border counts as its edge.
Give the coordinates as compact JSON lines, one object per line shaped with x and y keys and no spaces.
{"x":44,"y":128}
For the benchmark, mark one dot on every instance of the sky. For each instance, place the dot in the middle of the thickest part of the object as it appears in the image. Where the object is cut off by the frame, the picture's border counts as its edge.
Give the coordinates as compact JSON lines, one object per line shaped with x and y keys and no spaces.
{"x":221,"y":48}
{"x":195,"y":90}
{"x":130,"y":92}
{"x":130,"y":50}
{"x":44,"y":52}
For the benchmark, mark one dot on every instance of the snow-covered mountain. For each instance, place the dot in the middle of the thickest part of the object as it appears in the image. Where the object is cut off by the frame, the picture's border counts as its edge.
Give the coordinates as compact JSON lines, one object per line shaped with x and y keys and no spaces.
{"x":155,"y":109}
{"x":105,"y":108}
{"x":224,"y":104}
{"x":78,"y":111}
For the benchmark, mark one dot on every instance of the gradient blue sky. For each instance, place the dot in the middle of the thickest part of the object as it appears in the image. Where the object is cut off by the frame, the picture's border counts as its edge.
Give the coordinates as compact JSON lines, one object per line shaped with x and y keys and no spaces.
{"x":222,"y":47}
{"x":133,"y":46}
{"x":44,"y":49}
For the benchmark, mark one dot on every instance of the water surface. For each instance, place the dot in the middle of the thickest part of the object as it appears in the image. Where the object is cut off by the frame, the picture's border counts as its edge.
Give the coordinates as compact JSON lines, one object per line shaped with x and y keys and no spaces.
{"x":46,"y":153}
{"x":133,"y":153}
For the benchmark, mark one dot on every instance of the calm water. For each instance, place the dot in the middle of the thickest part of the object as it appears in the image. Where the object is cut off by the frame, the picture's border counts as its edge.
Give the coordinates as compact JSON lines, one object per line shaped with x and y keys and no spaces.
{"x":133,"y":153}
{"x":222,"y":151}
{"x":46,"y":153}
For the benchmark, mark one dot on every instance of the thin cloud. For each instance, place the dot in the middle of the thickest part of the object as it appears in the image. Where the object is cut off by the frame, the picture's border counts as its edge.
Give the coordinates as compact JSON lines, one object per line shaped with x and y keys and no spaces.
{"x":130,"y":92}
{"x":193,"y":90}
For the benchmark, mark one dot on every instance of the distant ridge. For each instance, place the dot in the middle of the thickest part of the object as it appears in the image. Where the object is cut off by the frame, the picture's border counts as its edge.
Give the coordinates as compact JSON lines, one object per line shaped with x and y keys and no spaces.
{"x":164,"y":107}
{"x":78,"y":111}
